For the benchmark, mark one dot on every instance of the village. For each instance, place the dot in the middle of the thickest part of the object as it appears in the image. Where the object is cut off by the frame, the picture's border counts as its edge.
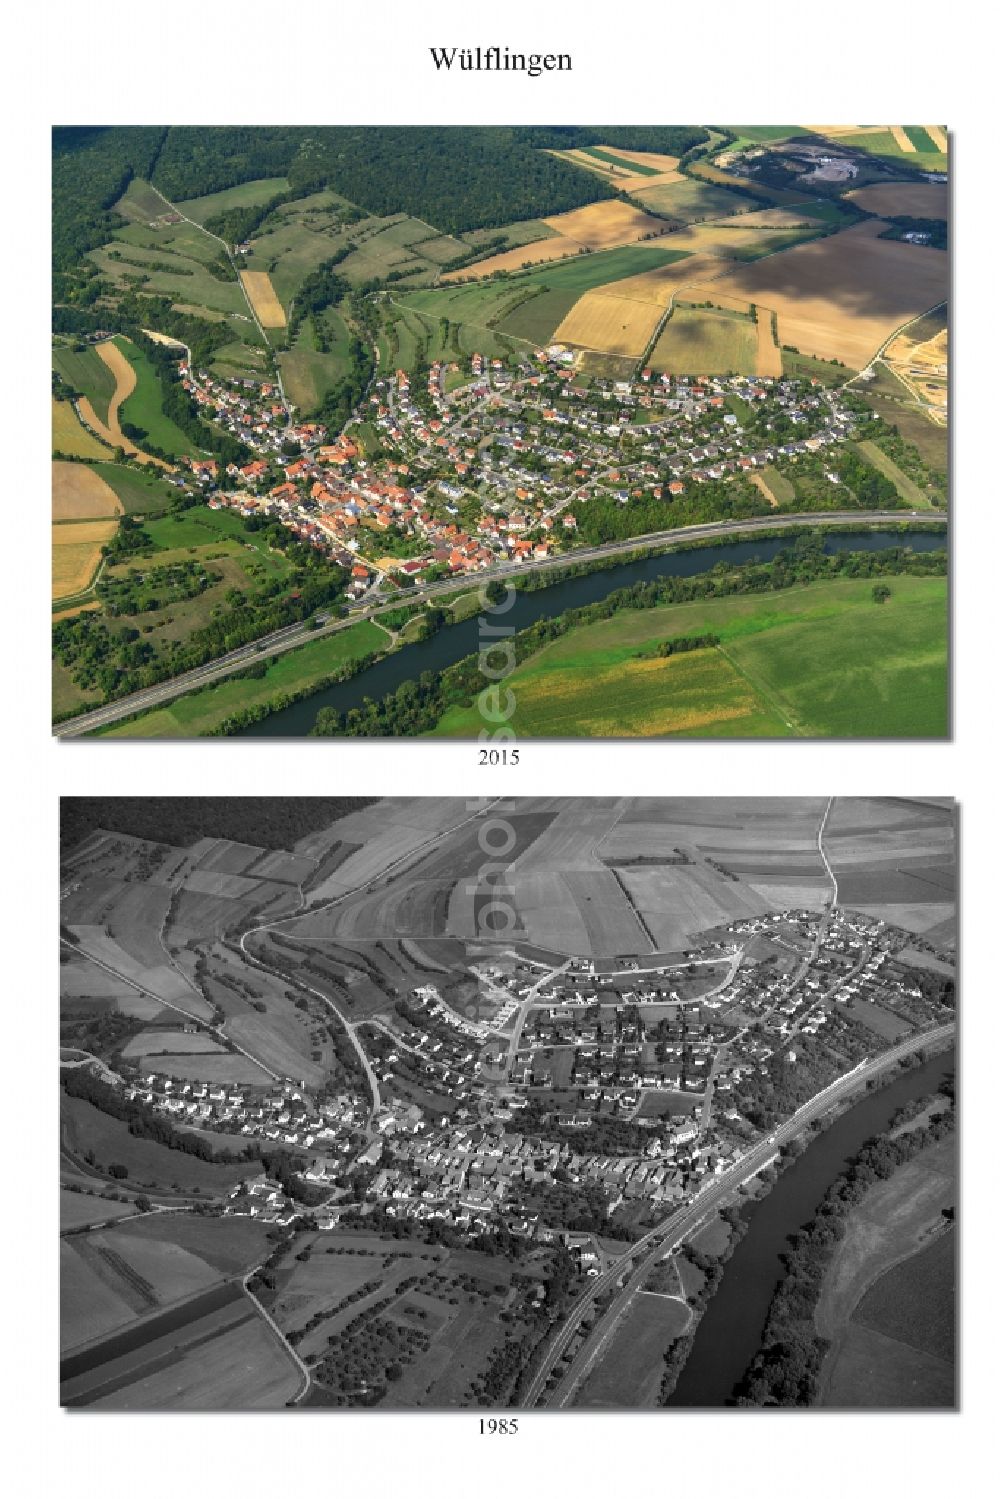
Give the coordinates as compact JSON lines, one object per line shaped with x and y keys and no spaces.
{"x":612,"y":1084}
{"x":474,"y":467}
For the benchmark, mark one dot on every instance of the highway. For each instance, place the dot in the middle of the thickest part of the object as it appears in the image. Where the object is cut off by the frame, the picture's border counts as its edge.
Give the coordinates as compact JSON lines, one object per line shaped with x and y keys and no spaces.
{"x":668,"y":1234}
{"x":291,"y":636}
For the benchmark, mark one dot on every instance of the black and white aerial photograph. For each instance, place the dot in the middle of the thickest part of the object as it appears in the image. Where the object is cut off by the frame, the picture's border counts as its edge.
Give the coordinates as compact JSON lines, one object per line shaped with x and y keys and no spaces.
{"x":543,"y":1103}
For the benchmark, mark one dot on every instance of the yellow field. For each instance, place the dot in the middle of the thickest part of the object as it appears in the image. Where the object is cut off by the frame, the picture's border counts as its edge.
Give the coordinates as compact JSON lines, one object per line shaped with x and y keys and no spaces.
{"x":915,"y":200}
{"x":901,"y":138}
{"x":76,"y":554}
{"x":939,"y":137}
{"x":768,"y":352}
{"x":162,"y":338}
{"x":601,"y":225}
{"x":257,"y":285}
{"x":621,"y":318}
{"x":78,"y":493}
{"x":698,"y":341}
{"x":70,"y":436}
{"x":609,"y":324}
{"x":842,"y":296}
{"x":557,"y":248}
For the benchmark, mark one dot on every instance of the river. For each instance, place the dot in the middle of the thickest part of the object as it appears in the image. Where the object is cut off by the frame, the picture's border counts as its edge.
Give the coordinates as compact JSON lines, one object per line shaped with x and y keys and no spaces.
{"x":454,"y":642}
{"x":729,"y":1333}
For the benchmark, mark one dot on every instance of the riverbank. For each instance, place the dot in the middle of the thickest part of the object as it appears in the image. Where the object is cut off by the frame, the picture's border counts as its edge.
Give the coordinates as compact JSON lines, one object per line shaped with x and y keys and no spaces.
{"x":730,"y":1332}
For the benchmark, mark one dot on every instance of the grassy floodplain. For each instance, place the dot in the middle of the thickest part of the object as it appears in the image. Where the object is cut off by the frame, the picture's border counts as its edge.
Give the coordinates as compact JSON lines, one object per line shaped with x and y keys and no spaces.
{"x":818,"y":660}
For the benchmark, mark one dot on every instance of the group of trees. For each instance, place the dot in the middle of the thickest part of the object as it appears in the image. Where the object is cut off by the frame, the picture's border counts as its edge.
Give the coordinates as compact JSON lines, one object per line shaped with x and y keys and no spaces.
{"x":81,"y":1082}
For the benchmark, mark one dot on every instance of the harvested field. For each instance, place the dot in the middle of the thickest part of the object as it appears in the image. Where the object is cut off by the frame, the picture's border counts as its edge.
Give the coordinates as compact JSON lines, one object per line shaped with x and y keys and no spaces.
{"x":70,"y":436}
{"x":621,"y":319}
{"x":901,"y":138}
{"x":912,"y":200}
{"x":609,"y":324}
{"x":559,"y":247}
{"x":699,"y":341}
{"x":263,"y":298}
{"x":841,"y":297}
{"x":686,"y":200}
{"x":599,"y":226}
{"x":939,"y":137}
{"x":79,"y":493}
{"x":76,"y":554}
{"x":768,"y":361}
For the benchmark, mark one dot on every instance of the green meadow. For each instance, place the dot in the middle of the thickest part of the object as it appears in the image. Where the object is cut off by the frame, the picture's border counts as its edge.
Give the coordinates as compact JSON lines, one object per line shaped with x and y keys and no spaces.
{"x":819,"y":660}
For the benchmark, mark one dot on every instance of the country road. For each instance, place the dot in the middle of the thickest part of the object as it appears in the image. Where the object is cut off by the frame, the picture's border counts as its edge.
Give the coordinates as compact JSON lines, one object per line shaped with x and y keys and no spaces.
{"x":294,"y":635}
{"x":670,"y":1233}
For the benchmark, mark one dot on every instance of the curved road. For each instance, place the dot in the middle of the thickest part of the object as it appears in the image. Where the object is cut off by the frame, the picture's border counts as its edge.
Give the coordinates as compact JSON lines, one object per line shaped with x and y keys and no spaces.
{"x":298,"y":634}
{"x":670,"y":1233}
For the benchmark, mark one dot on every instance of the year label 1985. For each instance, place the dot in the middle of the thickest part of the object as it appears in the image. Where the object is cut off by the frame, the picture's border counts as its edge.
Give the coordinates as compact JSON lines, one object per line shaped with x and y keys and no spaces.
{"x":500,"y":1426}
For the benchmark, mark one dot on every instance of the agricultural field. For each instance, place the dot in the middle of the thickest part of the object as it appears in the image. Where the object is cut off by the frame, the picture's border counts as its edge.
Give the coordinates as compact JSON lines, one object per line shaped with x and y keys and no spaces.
{"x":883,"y":282}
{"x":887,"y":1304}
{"x":81,"y":493}
{"x":150,"y":1166}
{"x":687,"y":200}
{"x":913,"y":200}
{"x":85,"y":372}
{"x":76,"y":554}
{"x":702,"y":341}
{"x":257,"y":285}
{"x":630,"y":1371}
{"x":802,"y":662}
{"x":70,"y":437}
{"x":307,"y":373}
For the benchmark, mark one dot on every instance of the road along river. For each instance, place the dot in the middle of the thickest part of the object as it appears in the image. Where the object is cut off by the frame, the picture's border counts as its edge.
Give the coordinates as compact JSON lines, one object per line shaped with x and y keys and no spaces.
{"x":729,"y":1333}
{"x":454,"y":642}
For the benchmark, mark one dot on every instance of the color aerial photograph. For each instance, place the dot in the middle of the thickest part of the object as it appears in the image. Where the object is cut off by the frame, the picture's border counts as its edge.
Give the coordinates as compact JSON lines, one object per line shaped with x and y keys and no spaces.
{"x":602,"y":1104}
{"x":560,"y":431}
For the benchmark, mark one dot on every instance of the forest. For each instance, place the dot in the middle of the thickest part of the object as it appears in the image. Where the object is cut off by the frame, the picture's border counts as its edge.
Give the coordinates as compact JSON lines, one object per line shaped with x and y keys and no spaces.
{"x":457,"y":177}
{"x":275,"y":822}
